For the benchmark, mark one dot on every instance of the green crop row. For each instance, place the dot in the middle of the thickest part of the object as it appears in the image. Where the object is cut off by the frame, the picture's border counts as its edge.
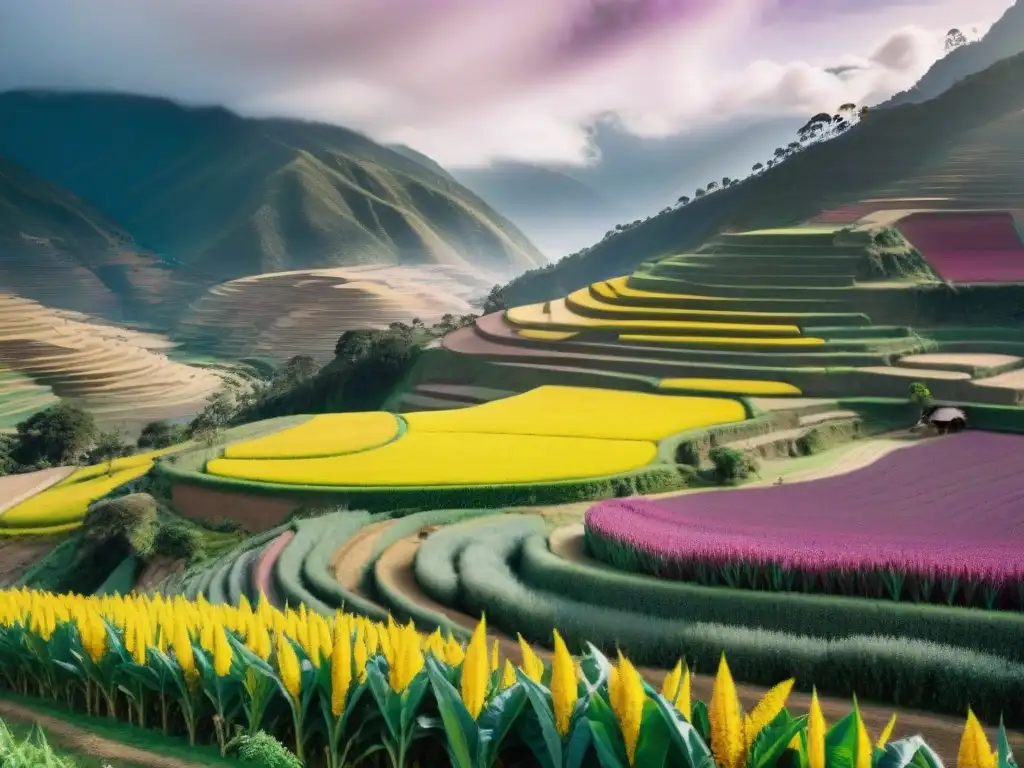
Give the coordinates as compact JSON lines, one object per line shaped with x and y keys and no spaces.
{"x":994,"y":418}
{"x":436,"y":565}
{"x":911,"y":673}
{"x":995,"y":632}
{"x":288,"y":569}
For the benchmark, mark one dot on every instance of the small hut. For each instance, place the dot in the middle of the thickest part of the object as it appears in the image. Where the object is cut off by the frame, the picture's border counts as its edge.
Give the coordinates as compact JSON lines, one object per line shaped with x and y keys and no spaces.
{"x":944,"y":419}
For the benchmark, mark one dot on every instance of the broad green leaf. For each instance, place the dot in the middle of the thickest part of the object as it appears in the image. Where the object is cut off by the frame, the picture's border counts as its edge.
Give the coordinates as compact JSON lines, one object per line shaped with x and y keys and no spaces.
{"x":579,"y":744}
{"x":898,"y":754}
{"x":462,"y":734}
{"x":1004,"y":754}
{"x":497,"y":720}
{"x":773,"y":741}
{"x":681,"y":733}
{"x":655,"y":737}
{"x":608,"y":752}
{"x":539,"y":732}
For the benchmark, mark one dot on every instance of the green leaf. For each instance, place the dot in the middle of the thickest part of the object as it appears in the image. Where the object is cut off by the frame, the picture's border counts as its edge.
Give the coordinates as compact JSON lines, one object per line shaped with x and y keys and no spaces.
{"x":539,"y":732}
{"x":607,"y":752}
{"x":595,"y":668}
{"x":411,"y":699}
{"x":701,"y":721}
{"x":386,"y":699}
{"x":841,"y":742}
{"x":681,"y":733}
{"x":579,"y":744}
{"x":655,"y":738}
{"x":462,"y":734}
{"x":773,"y":741}
{"x":1005,"y":756}
{"x":497,"y":720}
{"x":898,"y":754}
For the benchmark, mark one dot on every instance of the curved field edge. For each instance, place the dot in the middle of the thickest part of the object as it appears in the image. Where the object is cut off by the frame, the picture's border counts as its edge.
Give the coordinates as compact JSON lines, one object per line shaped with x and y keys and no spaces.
{"x":587,"y":580}
{"x":655,"y":478}
{"x":911,"y":672}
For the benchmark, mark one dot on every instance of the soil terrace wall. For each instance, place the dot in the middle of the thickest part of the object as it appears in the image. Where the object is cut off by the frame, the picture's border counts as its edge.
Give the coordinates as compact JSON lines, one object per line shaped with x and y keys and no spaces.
{"x":254,"y":513}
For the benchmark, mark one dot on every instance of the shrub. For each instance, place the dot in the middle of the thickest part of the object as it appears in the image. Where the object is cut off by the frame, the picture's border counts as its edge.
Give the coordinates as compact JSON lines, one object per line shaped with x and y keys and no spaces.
{"x":160,"y":434}
{"x":179,"y":541}
{"x":132,"y":517}
{"x":33,"y":752}
{"x":732,"y":466}
{"x":264,"y":750}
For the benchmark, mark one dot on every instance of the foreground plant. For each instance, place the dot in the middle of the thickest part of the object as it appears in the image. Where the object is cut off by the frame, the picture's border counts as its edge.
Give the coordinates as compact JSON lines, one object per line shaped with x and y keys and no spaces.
{"x":227,"y":673}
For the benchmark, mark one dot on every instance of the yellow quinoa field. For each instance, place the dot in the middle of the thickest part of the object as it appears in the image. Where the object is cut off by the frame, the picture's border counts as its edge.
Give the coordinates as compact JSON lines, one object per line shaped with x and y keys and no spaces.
{"x":331,"y":434}
{"x":424,"y":458}
{"x":725,"y":341}
{"x":583,"y":298}
{"x":534,"y":315}
{"x":127,"y":462}
{"x":620,"y":285}
{"x":539,"y":334}
{"x":583,"y":412}
{"x":734,"y":386}
{"x":65,"y":504}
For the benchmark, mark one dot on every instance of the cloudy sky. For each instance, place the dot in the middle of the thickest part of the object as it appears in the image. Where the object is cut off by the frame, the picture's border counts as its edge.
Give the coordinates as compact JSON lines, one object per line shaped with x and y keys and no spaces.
{"x":470,"y":81}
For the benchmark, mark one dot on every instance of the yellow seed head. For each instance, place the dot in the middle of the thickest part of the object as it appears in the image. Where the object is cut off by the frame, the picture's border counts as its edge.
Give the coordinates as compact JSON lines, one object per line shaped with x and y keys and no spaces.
{"x":564,"y":687}
{"x":726,"y":719}
{"x":475,"y":671}
{"x":341,"y":672}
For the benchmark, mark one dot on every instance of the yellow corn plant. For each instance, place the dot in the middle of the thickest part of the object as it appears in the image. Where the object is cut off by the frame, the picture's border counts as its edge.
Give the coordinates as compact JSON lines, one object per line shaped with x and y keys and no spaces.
{"x":369,"y":693}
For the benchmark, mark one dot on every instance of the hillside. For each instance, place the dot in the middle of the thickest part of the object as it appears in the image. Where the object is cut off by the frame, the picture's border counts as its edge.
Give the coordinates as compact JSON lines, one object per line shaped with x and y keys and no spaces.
{"x":1003,"y":40}
{"x":964,"y":145}
{"x":227,"y":196}
{"x":56,"y":249}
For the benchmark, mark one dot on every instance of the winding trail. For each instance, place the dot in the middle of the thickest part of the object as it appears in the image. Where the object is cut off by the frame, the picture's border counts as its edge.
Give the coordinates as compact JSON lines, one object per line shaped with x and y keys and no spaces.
{"x":15,"y":489}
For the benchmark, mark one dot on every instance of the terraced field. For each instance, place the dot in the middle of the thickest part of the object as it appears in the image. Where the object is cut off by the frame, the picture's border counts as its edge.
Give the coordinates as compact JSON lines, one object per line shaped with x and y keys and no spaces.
{"x":279,"y":315}
{"x":810,"y":310}
{"x":968,"y":247}
{"x":124,"y":377}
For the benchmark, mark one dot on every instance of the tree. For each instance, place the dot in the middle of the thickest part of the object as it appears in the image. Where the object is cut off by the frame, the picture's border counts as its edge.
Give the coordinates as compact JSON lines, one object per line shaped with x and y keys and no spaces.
{"x":955,"y":39}
{"x":61,"y":434}
{"x":712,"y":185}
{"x":699,"y":192}
{"x":757,"y":167}
{"x":295,"y":371}
{"x":109,"y":446}
{"x":496,"y":299}
{"x":8,"y":465}
{"x":726,"y":182}
{"x":684,"y":200}
{"x":160,"y":434}
{"x":920,"y":394}
{"x":218,"y":413}
{"x":779,"y":152}
{"x":847,"y":107}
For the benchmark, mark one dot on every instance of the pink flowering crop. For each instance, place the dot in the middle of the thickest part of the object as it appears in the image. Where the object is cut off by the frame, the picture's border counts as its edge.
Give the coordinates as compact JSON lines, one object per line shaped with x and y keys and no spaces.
{"x":939,"y":522}
{"x":968,"y":247}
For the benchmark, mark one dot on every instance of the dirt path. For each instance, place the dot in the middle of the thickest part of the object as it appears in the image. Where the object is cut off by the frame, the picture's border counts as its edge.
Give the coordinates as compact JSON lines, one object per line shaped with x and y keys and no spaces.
{"x":20,"y":554}
{"x":157,"y":570}
{"x":395,"y":569}
{"x":14,"y":489}
{"x":66,"y":735}
{"x":349,"y":560}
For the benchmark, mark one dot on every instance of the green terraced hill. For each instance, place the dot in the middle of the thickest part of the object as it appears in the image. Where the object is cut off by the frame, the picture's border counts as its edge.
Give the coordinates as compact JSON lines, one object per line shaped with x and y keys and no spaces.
{"x":814,"y":311}
{"x":966,"y":146}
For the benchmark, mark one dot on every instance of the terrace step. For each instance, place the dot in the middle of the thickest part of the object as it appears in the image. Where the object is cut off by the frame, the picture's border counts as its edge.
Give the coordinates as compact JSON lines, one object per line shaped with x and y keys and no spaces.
{"x":609,"y":295}
{"x":705,"y":297}
{"x":977,"y":365}
{"x":812,"y":265}
{"x":458,"y":393}
{"x":808,"y":237}
{"x":749,"y":291}
{"x":783,"y":278}
{"x":811,"y":419}
{"x":414,"y":402}
{"x":787,"y":442}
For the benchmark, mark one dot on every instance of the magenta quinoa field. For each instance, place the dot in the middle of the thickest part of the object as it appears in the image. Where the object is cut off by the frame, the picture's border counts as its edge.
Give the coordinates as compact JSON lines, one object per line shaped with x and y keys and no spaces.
{"x":968,"y":247}
{"x":940,"y":522}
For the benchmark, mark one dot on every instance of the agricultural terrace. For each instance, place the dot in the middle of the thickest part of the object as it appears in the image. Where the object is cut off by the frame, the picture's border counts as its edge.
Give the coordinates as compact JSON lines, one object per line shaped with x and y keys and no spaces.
{"x":562,"y":439}
{"x":938,"y":522}
{"x":810,"y":311}
{"x":60,"y":506}
{"x":968,"y":247}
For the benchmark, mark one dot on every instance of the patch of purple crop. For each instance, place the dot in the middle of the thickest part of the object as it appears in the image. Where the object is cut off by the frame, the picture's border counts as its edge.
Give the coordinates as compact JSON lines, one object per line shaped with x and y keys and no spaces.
{"x":938,"y":522}
{"x":968,"y":247}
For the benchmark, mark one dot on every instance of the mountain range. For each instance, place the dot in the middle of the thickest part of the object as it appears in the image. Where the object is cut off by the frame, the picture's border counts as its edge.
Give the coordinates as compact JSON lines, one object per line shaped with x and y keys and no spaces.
{"x":212,"y":196}
{"x":1004,"y":39}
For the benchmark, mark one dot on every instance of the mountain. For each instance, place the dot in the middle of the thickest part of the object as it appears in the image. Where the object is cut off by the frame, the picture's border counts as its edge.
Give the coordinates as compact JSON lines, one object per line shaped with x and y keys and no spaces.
{"x":56,"y":249}
{"x":966,"y":145}
{"x":1003,"y":40}
{"x":556,"y":210}
{"x":224,"y":196}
